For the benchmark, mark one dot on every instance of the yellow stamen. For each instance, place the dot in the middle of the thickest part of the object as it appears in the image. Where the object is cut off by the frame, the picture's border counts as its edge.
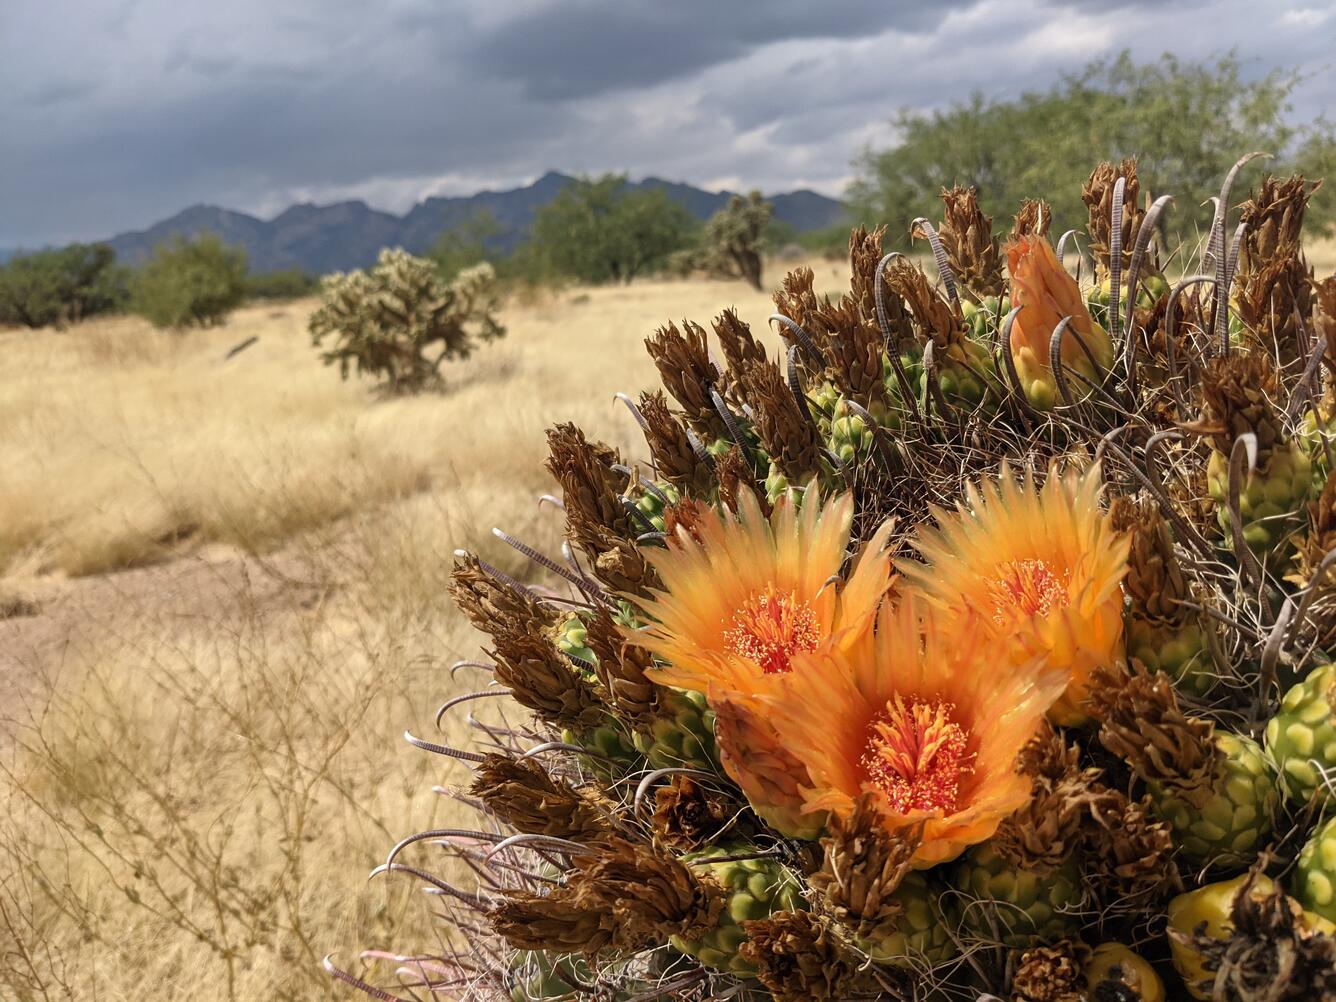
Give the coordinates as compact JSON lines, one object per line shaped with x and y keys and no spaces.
{"x":916,"y":755}
{"x":770,"y":628}
{"x":1025,"y":588}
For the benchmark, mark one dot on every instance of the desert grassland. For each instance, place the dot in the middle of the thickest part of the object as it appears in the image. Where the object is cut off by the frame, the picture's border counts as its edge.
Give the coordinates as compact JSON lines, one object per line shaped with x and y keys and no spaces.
{"x":231,"y":584}
{"x":225,"y":583}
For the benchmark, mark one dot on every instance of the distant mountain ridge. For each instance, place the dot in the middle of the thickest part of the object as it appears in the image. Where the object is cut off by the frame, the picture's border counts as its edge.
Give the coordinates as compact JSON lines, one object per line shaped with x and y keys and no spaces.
{"x":324,"y":238}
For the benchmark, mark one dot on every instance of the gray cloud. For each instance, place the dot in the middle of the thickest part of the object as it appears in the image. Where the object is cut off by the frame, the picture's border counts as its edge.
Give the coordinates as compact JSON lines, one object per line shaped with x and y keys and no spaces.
{"x":124,"y":112}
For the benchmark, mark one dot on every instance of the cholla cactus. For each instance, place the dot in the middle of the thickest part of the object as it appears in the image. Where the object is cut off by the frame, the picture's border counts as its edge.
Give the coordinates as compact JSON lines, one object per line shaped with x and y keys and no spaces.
{"x":733,"y":240}
{"x":978,"y":643}
{"x":399,"y":321}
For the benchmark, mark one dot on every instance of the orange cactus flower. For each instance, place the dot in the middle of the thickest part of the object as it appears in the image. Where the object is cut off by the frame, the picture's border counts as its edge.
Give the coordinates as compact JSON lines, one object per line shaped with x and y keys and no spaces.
{"x":743,"y":596}
{"x":1041,"y":285}
{"x":1042,"y":569}
{"x":743,"y":599}
{"x":917,"y":716}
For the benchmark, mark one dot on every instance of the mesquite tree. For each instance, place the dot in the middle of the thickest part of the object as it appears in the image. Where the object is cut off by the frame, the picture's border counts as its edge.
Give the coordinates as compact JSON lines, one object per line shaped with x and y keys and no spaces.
{"x":399,"y":321}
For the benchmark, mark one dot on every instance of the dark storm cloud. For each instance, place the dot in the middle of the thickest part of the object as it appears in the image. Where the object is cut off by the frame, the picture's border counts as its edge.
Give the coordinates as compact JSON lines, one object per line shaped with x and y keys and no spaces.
{"x":576,"y":49}
{"x":120,"y":113}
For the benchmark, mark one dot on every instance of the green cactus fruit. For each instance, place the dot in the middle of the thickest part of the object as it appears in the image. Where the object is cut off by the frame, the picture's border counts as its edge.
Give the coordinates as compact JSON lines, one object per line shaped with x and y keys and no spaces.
{"x":755,"y":889}
{"x":776,"y":484}
{"x":1179,"y":653}
{"x":653,"y":502}
{"x":1001,"y":902}
{"x":851,"y":437}
{"x":983,"y":320}
{"x":683,"y":735}
{"x":540,"y":978}
{"x":1270,"y":498}
{"x":920,"y":936}
{"x":1230,"y":826}
{"x":965,"y":373}
{"x":572,"y":641}
{"x":1301,"y":738}
{"x":1149,"y":289}
{"x":1314,"y":879}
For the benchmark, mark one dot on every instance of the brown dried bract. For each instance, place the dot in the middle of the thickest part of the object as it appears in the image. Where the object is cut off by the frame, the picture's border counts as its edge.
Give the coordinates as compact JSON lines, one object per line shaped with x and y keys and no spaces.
{"x":739,"y":345}
{"x":854,"y":347}
{"x":1097,"y":193}
{"x":864,"y":865}
{"x":1274,"y":294}
{"x":675,"y":458}
{"x":1033,"y":219}
{"x":967,"y":237}
{"x":1141,"y":722}
{"x":799,"y":960}
{"x":625,"y":896}
{"x":1155,"y":582}
{"x":790,"y":439}
{"x":491,"y":604}
{"x":796,"y":298}
{"x":936,"y":320}
{"x":529,"y":799}
{"x":1051,"y":973}
{"x":621,"y":669}
{"x":1129,"y":854}
{"x":597,"y":521}
{"x":735,"y":476}
{"x":541,"y":678}
{"x":687,"y":816}
{"x":1044,"y":833}
{"x":1239,"y":391}
{"x":683,"y":361}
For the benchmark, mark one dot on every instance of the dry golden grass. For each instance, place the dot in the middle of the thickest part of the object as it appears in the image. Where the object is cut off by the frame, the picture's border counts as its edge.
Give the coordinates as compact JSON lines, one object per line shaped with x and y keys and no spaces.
{"x":200,"y":758}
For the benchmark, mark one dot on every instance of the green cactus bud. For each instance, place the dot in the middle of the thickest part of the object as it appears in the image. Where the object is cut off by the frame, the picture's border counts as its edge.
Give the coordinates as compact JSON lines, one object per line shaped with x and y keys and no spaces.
{"x":1270,"y":499}
{"x":683,"y":735}
{"x":755,"y":888}
{"x":920,"y":936}
{"x":1301,"y":737}
{"x":1229,"y":827}
{"x":1179,"y":653}
{"x":1003,"y":903}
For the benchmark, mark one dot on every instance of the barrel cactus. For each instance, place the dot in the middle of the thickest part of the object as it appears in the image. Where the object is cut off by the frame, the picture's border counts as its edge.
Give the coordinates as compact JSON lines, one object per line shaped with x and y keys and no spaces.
{"x":974,"y":637}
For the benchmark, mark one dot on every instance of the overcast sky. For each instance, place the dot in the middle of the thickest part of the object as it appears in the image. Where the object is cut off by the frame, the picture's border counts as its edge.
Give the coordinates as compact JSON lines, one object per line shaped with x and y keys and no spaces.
{"x":117,"y":113}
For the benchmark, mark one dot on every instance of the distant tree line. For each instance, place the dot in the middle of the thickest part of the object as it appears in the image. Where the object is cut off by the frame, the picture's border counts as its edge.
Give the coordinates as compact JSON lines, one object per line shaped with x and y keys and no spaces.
{"x":1186,"y":122}
{"x":184,"y":283}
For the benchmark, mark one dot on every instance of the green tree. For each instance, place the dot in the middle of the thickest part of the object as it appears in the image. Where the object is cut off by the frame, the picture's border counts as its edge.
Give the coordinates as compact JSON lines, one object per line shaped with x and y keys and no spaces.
{"x":605,"y":231}
{"x":190,"y":282}
{"x":61,"y":286}
{"x":1186,"y":122}
{"x":465,"y":244}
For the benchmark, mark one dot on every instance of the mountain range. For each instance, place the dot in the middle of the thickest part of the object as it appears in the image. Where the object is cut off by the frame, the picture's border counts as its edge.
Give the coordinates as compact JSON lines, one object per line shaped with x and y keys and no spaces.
{"x":323,"y":238}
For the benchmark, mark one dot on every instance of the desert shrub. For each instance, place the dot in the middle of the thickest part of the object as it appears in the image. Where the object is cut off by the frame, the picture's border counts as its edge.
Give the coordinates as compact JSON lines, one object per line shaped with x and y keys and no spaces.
{"x":605,"y":231}
{"x":61,"y":286}
{"x":399,"y":320}
{"x":290,"y":283}
{"x":190,"y":283}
